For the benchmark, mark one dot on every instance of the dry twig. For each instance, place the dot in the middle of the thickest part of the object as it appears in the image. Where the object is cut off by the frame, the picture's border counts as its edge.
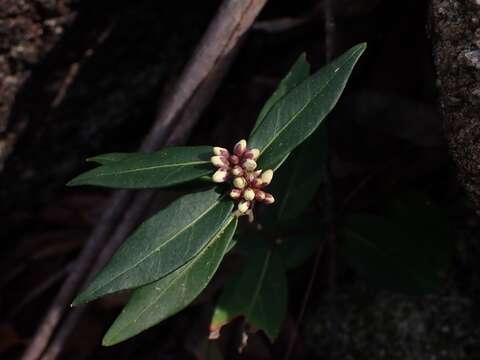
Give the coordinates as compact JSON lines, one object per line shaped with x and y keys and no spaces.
{"x":233,"y":19}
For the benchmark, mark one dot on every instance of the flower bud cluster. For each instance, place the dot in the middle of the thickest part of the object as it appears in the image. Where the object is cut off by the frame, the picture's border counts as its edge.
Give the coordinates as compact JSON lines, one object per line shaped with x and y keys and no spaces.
{"x":240,"y":168}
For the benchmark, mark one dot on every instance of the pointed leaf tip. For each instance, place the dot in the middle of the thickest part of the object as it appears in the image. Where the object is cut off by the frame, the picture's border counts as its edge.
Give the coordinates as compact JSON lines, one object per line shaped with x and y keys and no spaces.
{"x":296,"y":115}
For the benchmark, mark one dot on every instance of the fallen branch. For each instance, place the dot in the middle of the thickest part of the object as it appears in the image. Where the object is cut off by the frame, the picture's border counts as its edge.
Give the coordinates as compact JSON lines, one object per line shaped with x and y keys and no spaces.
{"x":140,"y":202}
{"x":233,"y":19}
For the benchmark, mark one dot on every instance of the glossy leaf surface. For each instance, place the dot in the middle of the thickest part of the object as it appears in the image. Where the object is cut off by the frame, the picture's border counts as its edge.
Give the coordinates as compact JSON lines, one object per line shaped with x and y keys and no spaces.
{"x":155,"y":302}
{"x":299,"y":72}
{"x":163,"y":168}
{"x":162,"y":244}
{"x":296,"y":115}
{"x":296,"y":182}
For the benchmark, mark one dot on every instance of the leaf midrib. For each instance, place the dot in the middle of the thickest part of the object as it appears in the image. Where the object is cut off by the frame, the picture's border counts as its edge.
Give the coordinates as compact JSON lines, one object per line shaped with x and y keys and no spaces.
{"x":287,"y":124}
{"x":181,"y":272}
{"x":164,"y":243}
{"x":149,"y":168}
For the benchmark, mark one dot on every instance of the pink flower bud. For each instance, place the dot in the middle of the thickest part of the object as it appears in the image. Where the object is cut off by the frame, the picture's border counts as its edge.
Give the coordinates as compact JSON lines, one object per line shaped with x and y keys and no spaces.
{"x":249,"y":194}
{"x":259,"y":195}
{"x":250,"y":178}
{"x":249,"y":165}
{"x":220,"y":175}
{"x":239,"y":182}
{"x":237,"y":170}
{"x":219,"y":161}
{"x":258,"y":172}
{"x":269,"y":199}
{"x":234,"y":159}
{"x":221,"y":151}
{"x":235,"y":193}
{"x":267,"y":177}
{"x":243,"y":206}
{"x":251,"y":154}
{"x":240,"y":147}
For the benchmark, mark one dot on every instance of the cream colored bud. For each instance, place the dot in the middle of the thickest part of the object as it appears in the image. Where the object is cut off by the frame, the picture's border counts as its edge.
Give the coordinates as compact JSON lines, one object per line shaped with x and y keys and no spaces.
{"x":239,"y":182}
{"x":269,"y":199}
{"x":249,"y":194}
{"x":252,"y":154}
{"x":240,"y":147}
{"x":237,"y":171}
{"x":221,"y":151}
{"x":259,"y":195}
{"x":235,"y":193}
{"x":219,"y":161}
{"x":249,"y":165}
{"x":267,"y":177}
{"x":220,"y":175}
{"x":258,"y":172}
{"x":243,"y":206}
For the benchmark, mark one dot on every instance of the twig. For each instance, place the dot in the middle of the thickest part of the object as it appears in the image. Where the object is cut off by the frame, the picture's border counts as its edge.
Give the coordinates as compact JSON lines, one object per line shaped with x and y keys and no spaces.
{"x":189,"y":116}
{"x":41,"y":288}
{"x":93,"y":245}
{"x":233,"y":19}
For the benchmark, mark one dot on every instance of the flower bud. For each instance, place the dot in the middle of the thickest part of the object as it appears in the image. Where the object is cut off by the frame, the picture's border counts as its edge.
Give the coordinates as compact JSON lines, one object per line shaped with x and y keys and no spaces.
{"x":220,"y":175}
{"x":250,"y":178}
{"x":221,"y":151}
{"x":239,"y":182}
{"x":267,"y":177}
{"x":258,"y":183}
{"x":252,"y":154}
{"x":240,"y":147}
{"x":269,"y":199}
{"x":249,"y":165}
{"x":235,"y":193}
{"x":259,"y":195}
{"x":234,"y":159}
{"x":219,"y":161}
{"x":243,"y":206}
{"x":258,"y":172}
{"x":249,"y":194}
{"x":237,"y":171}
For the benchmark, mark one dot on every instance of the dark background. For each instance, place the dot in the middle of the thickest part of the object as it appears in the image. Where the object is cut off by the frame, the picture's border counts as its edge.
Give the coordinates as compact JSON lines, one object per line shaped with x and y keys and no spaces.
{"x":94,"y":86}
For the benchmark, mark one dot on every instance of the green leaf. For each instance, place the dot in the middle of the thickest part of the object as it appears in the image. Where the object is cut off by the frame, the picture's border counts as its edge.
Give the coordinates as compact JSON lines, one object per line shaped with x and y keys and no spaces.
{"x":299,"y":72}
{"x":258,"y":292}
{"x":393,"y":256}
{"x":162,"y":244}
{"x":139,"y":171}
{"x":296,"y":249}
{"x":296,"y":116}
{"x":296,"y":182}
{"x":155,"y":302}
{"x":112,"y":157}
